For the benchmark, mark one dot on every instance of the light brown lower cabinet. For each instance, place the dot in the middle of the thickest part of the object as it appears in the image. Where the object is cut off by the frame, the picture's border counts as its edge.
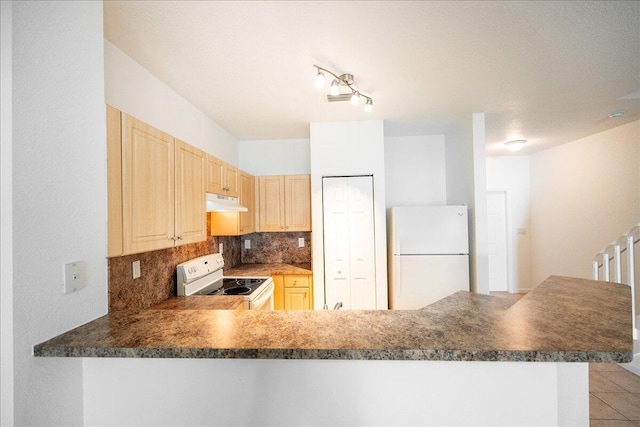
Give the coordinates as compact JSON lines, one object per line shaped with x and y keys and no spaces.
{"x":293,"y":292}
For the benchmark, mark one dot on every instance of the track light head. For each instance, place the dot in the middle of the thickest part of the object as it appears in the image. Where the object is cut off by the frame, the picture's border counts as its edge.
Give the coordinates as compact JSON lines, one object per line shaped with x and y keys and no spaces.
{"x":355,"y":98}
{"x":335,"y":88}
{"x":368,"y":107}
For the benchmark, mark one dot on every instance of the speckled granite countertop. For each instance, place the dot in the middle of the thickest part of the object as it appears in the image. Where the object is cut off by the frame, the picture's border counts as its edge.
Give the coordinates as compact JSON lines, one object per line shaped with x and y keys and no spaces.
{"x":268,"y":269}
{"x":201,"y":302}
{"x":562,"y":320}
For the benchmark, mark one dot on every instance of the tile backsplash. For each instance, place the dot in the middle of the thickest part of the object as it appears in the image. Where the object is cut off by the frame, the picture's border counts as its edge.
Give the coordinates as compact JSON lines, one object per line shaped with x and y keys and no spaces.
{"x":158,"y":279}
{"x":275,"y":248}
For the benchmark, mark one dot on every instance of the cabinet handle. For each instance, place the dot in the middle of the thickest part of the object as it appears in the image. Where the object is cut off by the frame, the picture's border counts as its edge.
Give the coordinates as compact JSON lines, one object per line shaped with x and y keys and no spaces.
{"x":179,"y":238}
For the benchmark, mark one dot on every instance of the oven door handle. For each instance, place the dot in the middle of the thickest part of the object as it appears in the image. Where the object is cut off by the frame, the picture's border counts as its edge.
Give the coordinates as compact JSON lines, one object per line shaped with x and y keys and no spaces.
{"x":264,"y":296}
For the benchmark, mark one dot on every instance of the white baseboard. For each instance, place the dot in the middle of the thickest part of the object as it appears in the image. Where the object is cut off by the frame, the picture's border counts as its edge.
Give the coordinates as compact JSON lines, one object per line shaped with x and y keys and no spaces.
{"x":634,"y":365}
{"x":635,"y":368}
{"x":521,"y":290}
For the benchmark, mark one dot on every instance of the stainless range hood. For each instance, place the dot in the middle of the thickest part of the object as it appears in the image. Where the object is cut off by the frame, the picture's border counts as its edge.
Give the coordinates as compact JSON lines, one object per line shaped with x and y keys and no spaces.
{"x":220,"y":203}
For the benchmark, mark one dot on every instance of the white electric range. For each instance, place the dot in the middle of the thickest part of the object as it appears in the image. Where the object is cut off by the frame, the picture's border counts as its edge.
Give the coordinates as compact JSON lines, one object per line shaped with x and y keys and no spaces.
{"x":203,"y":276}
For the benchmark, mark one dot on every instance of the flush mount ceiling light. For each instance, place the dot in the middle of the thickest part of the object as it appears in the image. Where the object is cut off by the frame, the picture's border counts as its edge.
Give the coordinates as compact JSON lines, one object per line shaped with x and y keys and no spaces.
{"x":516,"y":144}
{"x":345,"y":81}
{"x":616,"y":114}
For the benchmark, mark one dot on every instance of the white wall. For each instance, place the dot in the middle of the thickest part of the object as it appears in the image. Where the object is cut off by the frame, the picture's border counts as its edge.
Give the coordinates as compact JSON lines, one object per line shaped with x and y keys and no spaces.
{"x":584,"y":194}
{"x":6,"y":220}
{"x":511,"y":173}
{"x":59,"y":197}
{"x":162,"y":392}
{"x":459,"y":165}
{"x":275,"y":157}
{"x":480,"y":255}
{"x":131,"y":88}
{"x":348,"y":149}
{"x":415,"y":170}
{"x":465,"y":174}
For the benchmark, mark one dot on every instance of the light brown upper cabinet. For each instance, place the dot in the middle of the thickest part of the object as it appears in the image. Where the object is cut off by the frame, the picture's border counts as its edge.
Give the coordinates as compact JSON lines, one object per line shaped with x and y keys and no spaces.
{"x":191,"y":221}
{"x":161,"y":195}
{"x":237,"y":223}
{"x":248,"y":200}
{"x":285,"y":203}
{"x":222,"y":178}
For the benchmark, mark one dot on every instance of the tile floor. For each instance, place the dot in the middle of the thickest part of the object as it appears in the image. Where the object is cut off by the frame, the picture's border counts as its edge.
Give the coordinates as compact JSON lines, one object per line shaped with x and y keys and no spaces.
{"x":614,"y":396}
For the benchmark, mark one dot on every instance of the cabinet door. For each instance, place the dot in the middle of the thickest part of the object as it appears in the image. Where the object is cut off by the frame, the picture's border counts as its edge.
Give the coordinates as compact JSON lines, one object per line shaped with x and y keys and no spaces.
{"x":271,"y":203}
{"x":247,"y":199}
{"x":114,"y":182}
{"x":191,"y":224}
{"x":230,"y":181}
{"x":148,"y":187}
{"x":297,"y":202}
{"x":296,"y":299}
{"x":215,"y":176}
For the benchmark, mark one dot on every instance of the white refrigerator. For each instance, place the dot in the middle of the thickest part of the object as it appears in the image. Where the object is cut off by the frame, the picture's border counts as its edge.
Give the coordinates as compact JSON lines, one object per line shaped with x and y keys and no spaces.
{"x":428,"y":254}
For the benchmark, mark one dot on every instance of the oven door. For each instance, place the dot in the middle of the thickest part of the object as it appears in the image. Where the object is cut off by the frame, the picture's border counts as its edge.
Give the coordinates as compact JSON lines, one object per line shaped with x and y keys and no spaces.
{"x":264,"y":300}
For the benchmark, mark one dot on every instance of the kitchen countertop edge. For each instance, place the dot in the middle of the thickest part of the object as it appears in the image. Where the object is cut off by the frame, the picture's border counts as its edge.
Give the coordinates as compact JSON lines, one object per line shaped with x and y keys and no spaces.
{"x":340,"y":354}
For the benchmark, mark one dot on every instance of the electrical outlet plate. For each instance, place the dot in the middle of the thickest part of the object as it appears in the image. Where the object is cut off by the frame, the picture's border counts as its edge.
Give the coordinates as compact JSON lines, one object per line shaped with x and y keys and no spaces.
{"x":220,"y":247}
{"x":301,"y":242}
{"x":75,"y":276}
{"x":247,"y":244}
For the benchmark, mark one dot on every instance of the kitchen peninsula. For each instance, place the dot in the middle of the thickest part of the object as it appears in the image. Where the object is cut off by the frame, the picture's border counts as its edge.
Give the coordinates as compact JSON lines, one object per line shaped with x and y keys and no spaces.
{"x":562,"y":320}
{"x":555,"y":322}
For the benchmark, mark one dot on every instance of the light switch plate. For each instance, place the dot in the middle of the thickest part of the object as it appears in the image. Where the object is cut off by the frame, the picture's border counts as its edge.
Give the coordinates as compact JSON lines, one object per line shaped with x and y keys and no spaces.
{"x":301,"y":242}
{"x":135,"y":269}
{"x":75,"y":276}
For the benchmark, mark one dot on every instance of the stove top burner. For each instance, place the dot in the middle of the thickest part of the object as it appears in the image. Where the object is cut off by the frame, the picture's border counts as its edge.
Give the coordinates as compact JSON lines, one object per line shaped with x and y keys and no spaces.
{"x":246,"y":281}
{"x":238,"y":290}
{"x":234,"y":286}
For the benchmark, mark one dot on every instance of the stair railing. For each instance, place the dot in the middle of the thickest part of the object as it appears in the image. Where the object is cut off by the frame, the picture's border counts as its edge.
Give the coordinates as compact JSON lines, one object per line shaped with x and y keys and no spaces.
{"x":623,"y":247}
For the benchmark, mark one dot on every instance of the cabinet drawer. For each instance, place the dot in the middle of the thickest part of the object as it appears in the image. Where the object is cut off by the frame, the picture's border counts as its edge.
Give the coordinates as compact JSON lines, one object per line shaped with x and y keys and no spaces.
{"x":297,"y":281}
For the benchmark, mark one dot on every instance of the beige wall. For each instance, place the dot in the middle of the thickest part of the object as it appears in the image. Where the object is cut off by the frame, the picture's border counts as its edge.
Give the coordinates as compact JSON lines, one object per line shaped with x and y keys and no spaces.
{"x":584,"y":194}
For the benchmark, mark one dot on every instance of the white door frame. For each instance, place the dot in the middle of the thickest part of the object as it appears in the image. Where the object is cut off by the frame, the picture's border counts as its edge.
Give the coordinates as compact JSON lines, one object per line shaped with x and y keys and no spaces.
{"x":507,"y":216}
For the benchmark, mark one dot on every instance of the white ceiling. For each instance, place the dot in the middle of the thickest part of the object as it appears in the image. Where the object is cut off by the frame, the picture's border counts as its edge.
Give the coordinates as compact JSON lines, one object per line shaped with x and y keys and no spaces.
{"x":548,"y":72}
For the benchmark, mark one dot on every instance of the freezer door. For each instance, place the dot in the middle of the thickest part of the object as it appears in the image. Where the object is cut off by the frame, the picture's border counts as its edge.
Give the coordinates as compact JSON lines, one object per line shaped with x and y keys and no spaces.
{"x":431,"y":230}
{"x":419,"y":280}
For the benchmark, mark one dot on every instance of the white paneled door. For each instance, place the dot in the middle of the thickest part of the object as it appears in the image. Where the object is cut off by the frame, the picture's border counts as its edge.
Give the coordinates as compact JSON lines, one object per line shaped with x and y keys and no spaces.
{"x":349,"y":243}
{"x":497,"y":226}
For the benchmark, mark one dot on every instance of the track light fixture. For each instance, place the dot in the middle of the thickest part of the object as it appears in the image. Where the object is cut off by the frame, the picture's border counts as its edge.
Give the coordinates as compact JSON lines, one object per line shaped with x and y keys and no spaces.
{"x":353,"y":95}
